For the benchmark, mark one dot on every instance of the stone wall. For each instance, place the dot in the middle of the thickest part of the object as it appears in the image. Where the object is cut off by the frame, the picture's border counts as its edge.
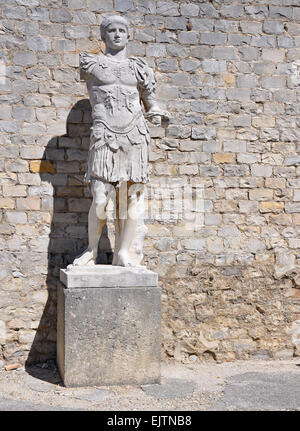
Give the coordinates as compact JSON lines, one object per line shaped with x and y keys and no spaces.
{"x":229,"y":73}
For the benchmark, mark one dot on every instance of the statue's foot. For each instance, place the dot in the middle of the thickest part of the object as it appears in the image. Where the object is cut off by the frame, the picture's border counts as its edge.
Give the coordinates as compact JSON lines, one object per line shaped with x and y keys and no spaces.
{"x":86,"y":258}
{"x":138,"y":263}
{"x":122,"y":259}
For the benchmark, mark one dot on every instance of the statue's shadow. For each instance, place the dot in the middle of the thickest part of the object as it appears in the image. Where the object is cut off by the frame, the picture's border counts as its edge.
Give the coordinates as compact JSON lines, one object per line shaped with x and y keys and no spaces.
{"x":62,"y":168}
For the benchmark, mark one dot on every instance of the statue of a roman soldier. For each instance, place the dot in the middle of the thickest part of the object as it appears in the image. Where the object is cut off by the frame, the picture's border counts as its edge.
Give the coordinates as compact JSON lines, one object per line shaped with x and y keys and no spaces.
{"x":119,"y":88}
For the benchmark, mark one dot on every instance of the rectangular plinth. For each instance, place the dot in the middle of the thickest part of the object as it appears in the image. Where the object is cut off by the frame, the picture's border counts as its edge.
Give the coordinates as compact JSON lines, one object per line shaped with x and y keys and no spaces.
{"x":109,"y":335}
{"x":107,"y":276}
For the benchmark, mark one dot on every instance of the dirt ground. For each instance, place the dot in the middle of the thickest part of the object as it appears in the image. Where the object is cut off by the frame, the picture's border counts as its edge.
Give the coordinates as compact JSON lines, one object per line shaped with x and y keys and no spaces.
{"x":240,"y":385}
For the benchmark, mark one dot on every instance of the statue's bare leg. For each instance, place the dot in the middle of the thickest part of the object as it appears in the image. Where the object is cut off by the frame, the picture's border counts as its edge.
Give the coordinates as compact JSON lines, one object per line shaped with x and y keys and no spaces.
{"x":128,"y":226}
{"x":96,"y":221}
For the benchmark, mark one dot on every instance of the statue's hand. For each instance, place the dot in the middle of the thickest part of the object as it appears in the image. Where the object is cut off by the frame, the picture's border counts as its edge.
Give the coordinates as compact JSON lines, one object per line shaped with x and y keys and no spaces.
{"x":156,"y":117}
{"x":156,"y":120}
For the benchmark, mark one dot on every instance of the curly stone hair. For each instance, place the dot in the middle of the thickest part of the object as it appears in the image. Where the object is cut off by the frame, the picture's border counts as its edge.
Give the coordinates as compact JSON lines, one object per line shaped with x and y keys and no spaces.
{"x":110,"y":20}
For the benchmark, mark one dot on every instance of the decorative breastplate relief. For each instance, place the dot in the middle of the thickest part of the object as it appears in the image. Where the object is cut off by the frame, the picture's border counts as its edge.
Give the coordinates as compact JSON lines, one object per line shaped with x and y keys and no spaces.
{"x":114,"y":96}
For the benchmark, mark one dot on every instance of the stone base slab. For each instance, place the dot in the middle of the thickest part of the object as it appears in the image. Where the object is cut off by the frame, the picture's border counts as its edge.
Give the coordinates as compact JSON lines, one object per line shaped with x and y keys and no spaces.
{"x":107,"y":276}
{"x":109,"y":335}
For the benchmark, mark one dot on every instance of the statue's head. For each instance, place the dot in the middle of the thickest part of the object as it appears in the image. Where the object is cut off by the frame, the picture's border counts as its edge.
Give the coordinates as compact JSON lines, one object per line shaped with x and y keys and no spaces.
{"x":115,"y":31}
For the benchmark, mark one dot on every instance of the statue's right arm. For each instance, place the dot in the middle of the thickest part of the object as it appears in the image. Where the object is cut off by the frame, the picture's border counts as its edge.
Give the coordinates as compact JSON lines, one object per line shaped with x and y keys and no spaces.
{"x":87,"y":62}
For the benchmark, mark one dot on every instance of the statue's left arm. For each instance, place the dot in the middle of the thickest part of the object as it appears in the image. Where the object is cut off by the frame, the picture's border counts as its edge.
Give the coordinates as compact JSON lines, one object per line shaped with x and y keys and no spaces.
{"x":147,"y":85}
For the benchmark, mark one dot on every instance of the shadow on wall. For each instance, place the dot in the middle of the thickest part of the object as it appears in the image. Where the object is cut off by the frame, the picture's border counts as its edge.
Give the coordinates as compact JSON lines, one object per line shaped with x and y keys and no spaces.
{"x":62,"y":168}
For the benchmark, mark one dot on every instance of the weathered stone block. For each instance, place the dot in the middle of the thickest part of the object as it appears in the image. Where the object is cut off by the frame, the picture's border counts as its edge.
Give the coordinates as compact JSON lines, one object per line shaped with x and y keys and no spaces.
{"x":31,"y":203}
{"x":189,"y":65}
{"x":97,"y":6}
{"x":41,"y":166}
{"x":209,"y":171}
{"x":146,"y":35}
{"x":60,"y":15}
{"x":273,"y":27}
{"x":14,"y":190}
{"x":77,"y":31}
{"x":249,"y":53}
{"x":7,"y":203}
{"x":240,"y":120}
{"x":16,"y":217}
{"x":76,"y":4}
{"x":124,"y":5}
{"x":236,"y":170}
{"x":17,"y":166}
{"x":274,"y":55}
{"x":286,"y":42}
{"x":261,"y":194}
{"x":225,"y":53}
{"x":13,"y":12}
{"x":38,"y":13}
{"x":204,"y":107}
{"x":108,"y":326}
{"x":188,"y":170}
{"x":188,"y":37}
{"x":38,"y":43}
{"x":240,"y":94}
{"x":201,"y":24}
{"x":227,"y":26}
{"x":248,"y":206}
{"x":25,"y":58}
{"x":271,"y":207}
{"x":167,"y":64}
{"x":232,"y":11}
{"x":280,"y":12}
{"x":213,"y":66}
{"x":5,"y":112}
{"x":213,"y":38}
{"x":161,"y":36}
{"x":203,"y":132}
{"x":238,"y":39}
{"x":263,"y":41}
{"x":257,"y":12}
{"x":189,"y":9}
{"x":207,"y":9}
{"x":274,"y":82}
{"x":136,"y":48}
{"x":247,"y":81}
{"x":155,"y":50}
{"x":166,"y":8}
{"x":176,"y":23}
{"x":220,"y":158}
{"x":251,"y":27}
{"x":85,"y":18}
{"x":146,"y":6}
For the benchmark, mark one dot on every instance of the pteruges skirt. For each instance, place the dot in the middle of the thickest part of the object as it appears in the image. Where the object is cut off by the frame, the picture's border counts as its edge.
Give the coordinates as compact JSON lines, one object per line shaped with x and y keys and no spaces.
{"x":116,"y":157}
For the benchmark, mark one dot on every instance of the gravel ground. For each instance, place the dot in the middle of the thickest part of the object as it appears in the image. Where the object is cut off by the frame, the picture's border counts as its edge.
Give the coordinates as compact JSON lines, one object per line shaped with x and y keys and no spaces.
{"x":240,"y":385}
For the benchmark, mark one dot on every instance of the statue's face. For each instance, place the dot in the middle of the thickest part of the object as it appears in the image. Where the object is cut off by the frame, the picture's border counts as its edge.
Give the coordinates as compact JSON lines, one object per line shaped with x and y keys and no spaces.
{"x":116,"y":36}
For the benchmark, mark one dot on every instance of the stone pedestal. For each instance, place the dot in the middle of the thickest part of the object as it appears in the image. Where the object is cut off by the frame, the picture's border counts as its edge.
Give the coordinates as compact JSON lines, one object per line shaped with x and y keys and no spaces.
{"x":108,"y":326}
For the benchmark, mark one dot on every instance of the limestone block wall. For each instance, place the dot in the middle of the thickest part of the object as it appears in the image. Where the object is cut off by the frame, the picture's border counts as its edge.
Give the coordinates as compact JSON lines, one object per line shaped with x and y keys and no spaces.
{"x":229,"y":74}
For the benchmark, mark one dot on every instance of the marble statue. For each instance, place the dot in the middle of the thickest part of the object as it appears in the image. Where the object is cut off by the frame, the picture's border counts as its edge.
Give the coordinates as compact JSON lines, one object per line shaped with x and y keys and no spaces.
{"x":119,"y":88}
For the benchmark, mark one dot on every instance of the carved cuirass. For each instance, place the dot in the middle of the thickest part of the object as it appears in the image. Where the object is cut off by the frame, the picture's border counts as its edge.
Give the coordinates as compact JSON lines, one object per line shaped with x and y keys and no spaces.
{"x":119,"y":136}
{"x":114,"y":95}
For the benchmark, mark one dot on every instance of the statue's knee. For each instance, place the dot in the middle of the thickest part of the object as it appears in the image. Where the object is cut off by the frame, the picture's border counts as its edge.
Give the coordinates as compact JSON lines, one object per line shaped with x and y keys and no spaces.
{"x":135,"y":206}
{"x":100,"y":208}
{"x":101,"y":192}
